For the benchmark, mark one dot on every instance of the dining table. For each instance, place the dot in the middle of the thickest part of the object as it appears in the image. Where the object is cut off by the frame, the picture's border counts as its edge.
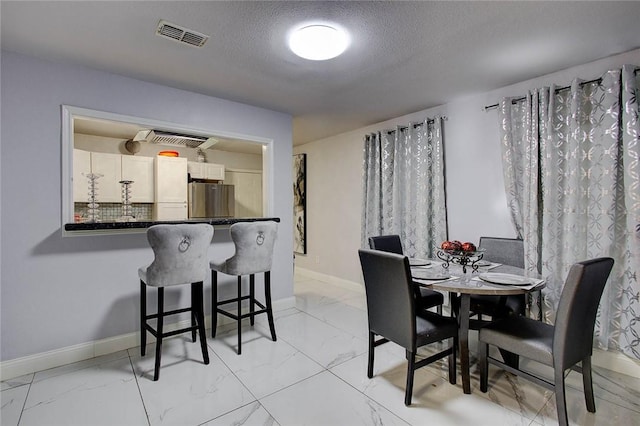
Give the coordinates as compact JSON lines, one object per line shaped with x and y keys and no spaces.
{"x":463,"y":282}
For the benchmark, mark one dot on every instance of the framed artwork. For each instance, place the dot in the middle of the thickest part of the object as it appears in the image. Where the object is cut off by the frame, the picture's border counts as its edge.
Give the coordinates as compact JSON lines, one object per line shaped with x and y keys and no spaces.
{"x":300,"y":203}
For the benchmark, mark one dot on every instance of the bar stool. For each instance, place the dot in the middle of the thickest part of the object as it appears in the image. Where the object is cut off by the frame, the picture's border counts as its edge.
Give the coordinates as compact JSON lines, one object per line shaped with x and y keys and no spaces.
{"x":180,"y":258}
{"x":253,"y":254}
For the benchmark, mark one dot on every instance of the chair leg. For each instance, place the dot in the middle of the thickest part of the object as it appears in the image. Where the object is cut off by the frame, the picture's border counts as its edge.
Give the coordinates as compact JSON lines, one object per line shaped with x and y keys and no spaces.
{"x":411,"y":366}
{"x":214,"y":303}
{"x":452,"y":361}
{"x":439,"y":309}
{"x":511,"y":359}
{"x":239,"y":314}
{"x":540,"y":305}
{"x":370,"y":362}
{"x":561,"y":400}
{"x":143,"y":318}
{"x":156,"y":373}
{"x":267,"y":297}
{"x":197,"y":308}
{"x":252,"y":298}
{"x":454,"y":303}
{"x":588,"y":384}
{"x":483,"y":365}
{"x":193,"y":314}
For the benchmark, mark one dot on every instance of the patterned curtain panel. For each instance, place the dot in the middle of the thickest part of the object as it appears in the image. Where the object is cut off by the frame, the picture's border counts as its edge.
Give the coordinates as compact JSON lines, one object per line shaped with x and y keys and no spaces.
{"x":521,"y":134}
{"x":403,"y":187}
{"x":572,"y":171}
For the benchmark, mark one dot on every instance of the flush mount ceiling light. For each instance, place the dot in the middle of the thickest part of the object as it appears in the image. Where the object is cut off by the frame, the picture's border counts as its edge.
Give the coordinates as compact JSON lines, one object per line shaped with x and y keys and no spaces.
{"x":318,"y":42}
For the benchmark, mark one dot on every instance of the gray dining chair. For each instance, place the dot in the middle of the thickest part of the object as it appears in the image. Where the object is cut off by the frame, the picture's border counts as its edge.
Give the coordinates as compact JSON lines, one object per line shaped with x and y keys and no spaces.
{"x":254,"y":242}
{"x":180,"y":257}
{"x":510,"y":252}
{"x":426,"y":297}
{"x":561,"y":346}
{"x":392,"y":315}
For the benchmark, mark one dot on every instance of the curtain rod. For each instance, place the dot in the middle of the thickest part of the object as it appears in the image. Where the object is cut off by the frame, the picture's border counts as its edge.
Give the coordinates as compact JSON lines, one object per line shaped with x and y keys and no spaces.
{"x":558,"y":90}
{"x":429,"y":120}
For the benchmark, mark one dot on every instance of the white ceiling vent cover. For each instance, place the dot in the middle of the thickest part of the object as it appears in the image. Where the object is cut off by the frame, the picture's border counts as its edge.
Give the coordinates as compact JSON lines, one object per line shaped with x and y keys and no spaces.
{"x":181,"y":34}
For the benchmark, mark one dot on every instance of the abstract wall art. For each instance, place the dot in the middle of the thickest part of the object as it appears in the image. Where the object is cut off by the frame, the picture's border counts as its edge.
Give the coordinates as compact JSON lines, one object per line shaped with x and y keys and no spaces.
{"x":300,"y":203}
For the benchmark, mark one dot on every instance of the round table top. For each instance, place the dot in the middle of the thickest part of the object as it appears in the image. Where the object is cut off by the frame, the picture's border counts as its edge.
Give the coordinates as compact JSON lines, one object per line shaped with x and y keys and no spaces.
{"x":470,"y":283}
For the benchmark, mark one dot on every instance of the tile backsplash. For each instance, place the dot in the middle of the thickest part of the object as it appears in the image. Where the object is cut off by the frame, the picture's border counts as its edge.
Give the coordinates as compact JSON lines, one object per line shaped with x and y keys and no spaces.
{"x":111,"y":212}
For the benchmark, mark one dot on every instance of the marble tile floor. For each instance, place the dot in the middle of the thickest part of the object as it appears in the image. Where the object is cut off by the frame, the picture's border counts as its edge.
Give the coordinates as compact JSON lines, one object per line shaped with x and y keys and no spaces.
{"x":315,"y":374}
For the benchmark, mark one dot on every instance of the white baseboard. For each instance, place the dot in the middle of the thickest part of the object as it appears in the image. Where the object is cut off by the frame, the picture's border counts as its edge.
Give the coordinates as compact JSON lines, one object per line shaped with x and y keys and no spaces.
{"x":57,"y":357}
{"x":340,"y":282}
{"x":616,"y":361}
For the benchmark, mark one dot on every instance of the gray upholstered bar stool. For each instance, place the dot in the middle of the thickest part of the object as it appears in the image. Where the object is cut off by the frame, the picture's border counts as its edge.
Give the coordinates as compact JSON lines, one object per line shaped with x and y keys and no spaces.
{"x":254,"y":243}
{"x":180,"y":258}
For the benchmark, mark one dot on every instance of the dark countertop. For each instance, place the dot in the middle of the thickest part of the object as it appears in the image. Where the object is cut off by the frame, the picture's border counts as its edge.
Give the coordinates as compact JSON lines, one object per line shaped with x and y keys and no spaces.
{"x":107,"y":226}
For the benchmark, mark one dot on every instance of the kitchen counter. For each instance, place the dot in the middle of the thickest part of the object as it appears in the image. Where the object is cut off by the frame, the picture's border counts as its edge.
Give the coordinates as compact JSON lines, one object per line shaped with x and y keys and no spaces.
{"x":118,"y":227}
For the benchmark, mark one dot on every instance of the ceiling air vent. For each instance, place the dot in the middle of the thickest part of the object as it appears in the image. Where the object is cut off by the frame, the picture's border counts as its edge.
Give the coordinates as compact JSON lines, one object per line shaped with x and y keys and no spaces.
{"x":181,"y":34}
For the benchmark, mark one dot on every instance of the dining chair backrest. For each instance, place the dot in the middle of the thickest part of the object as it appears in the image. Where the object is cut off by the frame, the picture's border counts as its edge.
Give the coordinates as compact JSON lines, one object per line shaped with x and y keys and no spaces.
{"x":390,"y":298}
{"x":507,"y":251}
{"x":388,"y":243}
{"x":577,"y":309}
{"x":180,"y":252}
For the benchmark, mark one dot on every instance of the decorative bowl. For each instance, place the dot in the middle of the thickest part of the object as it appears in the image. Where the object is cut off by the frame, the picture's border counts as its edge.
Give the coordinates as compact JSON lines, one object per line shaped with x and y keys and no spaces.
{"x":460,"y":257}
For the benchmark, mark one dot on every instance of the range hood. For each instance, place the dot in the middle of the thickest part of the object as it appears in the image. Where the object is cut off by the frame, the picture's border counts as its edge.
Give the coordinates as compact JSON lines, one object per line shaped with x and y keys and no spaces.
{"x":160,"y":137}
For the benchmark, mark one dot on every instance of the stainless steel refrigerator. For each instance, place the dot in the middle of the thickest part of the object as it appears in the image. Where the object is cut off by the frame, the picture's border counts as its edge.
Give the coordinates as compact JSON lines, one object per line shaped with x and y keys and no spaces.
{"x":211,"y":200}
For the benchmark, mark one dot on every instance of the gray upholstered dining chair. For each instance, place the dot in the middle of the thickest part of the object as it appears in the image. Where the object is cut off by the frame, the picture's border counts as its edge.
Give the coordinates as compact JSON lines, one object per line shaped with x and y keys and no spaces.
{"x":254,"y":242}
{"x":561,"y":346}
{"x":426,"y":297}
{"x":507,"y":251}
{"x":180,"y":257}
{"x":392,"y":315}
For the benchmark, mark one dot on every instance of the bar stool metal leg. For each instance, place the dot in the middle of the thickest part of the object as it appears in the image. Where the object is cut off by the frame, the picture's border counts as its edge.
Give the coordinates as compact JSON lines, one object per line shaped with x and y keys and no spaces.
{"x":198,"y":310}
{"x":267,"y":295}
{"x":193,"y":315}
{"x":239,"y":314}
{"x":214,"y":303}
{"x":156,"y":374}
{"x":143,"y":318}
{"x":252,"y":297}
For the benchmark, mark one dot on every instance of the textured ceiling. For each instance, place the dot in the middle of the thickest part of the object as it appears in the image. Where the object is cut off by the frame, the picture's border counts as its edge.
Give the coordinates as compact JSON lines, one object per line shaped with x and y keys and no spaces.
{"x":404,"y":56}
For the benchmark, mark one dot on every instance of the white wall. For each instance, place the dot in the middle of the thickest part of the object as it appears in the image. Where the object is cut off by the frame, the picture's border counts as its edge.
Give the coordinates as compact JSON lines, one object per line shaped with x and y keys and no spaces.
{"x":474,"y":183}
{"x":57,"y":292}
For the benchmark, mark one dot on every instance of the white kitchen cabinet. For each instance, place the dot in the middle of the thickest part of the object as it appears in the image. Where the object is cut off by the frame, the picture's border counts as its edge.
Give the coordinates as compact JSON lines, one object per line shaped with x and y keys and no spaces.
{"x":210,"y":171}
{"x":171,"y":188}
{"x":110,"y":167}
{"x":170,"y":211}
{"x":81,"y":167}
{"x":248,"y":192}
{"x":140,"y":171}
{"x":214,"y":171}
{"x":108,"y":186}
{"x":195,"y":169}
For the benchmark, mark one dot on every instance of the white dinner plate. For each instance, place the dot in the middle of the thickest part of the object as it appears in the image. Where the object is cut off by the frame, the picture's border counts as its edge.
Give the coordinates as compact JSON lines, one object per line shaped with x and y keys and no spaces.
{"x":504,"y":279}
{"x":419,"y":262}
{"x":430,"y":274}
{"x":482,"y":263}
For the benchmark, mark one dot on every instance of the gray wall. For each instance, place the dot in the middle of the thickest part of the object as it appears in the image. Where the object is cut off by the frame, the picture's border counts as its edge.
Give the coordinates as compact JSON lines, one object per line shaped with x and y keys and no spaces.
{"x":476,"y":200}
{"x":55,"y":291}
